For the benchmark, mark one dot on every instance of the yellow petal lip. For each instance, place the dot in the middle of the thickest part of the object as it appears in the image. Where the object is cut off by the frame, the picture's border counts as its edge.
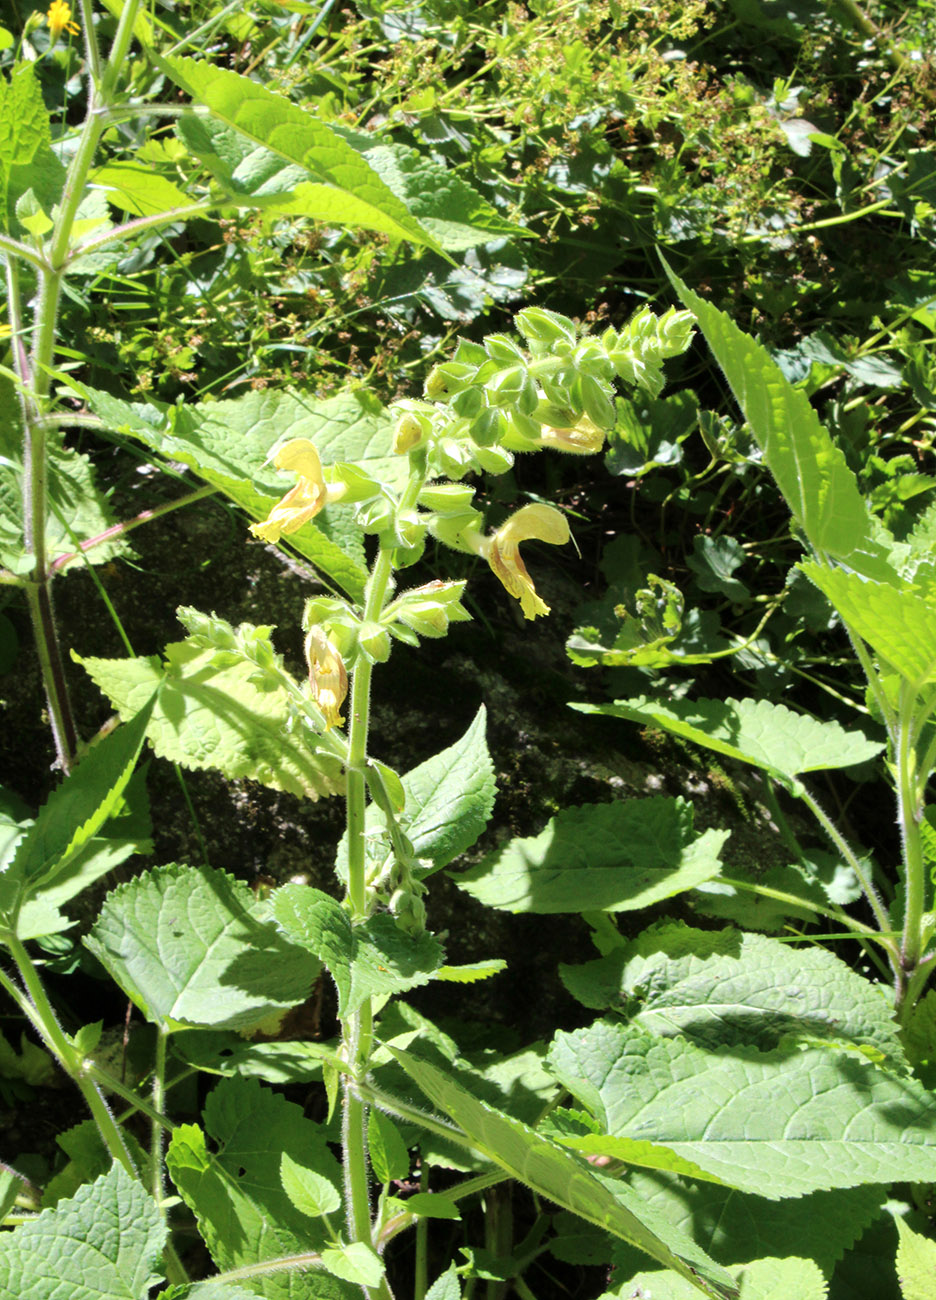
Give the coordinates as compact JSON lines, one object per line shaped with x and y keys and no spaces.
{"x":302,"y":502}
{"x":328,"y":676}
{"x":542,"y":523}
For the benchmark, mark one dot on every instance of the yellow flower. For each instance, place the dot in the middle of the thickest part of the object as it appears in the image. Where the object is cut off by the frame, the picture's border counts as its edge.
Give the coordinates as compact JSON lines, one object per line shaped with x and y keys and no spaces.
{"x":502,"y":551}
{"x":310,"y":495}
{"x":328,"y":676}
{"x":59,"y":19}
{"x":581,"y":439}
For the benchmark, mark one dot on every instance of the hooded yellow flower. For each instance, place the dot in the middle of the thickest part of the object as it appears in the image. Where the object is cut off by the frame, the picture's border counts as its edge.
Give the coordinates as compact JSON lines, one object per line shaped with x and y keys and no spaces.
{"x":581,"y":439}
{"x":306,"y":499}
{"x":502,"y":551}
{"x":59,"y":19}
{"x":328,"y":676}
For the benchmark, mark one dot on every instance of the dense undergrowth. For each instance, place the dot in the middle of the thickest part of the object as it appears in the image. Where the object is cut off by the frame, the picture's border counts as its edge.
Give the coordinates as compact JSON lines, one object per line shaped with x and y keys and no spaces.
{"x":336,"y":273}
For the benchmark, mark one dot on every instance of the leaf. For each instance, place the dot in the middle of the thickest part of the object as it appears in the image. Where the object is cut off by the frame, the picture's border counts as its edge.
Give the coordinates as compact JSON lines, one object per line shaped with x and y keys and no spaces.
{"x":230,"y":444}
{"x":27,"y":161}
{"x":811,"y":471}
{"x":613,"y":857}
{"x":448,"y":207}
{"x":207,"y":716}
{"x":309,"y":1192}
{"x":446,"y":1286}
{"x":236,"y":1194}
{"x":780,"y":1123}
{"x":209,"y":1290}
{"x":355,"y":1263}
{"x":105,"y":1243}
{"x":344,"y":191}
{"x":714,"y":561}
{"x":449,"y":800}
{"x":557,"y":1175}
{"x":388,"y":1153}
{"x":737,"y":1227}
{"x":367,"y":960}
{"x":916,"y":1263}
{"x":759,"y":732}
{"x":193,"y":946}
{"x":137,"y":189}
{"x":78,"y":511}
{"x":724,"y":987}
{"x":762,"y":1279}
{"x":78,"y":808}
{"x":898,"y":625}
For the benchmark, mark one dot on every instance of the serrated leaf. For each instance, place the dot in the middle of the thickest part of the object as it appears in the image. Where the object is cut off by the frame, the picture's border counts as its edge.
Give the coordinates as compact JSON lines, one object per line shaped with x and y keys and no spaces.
{"x":449,"y":800}
{"x":737,"y":1227}
{"x":309,"y":1191}
{"x":355,"y":1263}
{"x":193,"y":946}
{"x":916,"y":1263}
{"x":78,"y":808}
{"x":366,"y":960}
{"x":478,"y":970}
{"x":209,"y":1290}
{"x":611,"y":857}
{"x":217,"y":717}
{"x":137,"y":189}
{"x":344,"y":190}
{"x":898,"y":625}
{"x":762,"y":1279}
{"x":230,"y":444}
{"x":811,"y":471}
{"x":759,"y":732}
{"x":780,"y":1123}
{"x":27,"y":161}
{"x":446,"y":1286}
{"x":556,"y":1174}
{"x":244,"y":1215}
{"x":389,"y":1157}
{"x":430,"y":1205}
{"x":78,"y":510}
{"x":105,"y":1243}
{"x":725,"y":987}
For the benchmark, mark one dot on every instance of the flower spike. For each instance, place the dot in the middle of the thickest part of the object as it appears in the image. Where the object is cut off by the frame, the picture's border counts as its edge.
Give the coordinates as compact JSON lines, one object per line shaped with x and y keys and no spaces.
{"x":502,"y":551}
{"x":310,"y":495}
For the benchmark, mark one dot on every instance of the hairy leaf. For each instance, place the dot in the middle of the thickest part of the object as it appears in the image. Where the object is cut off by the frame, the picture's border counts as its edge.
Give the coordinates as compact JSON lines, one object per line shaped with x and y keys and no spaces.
{"x":613,"y":857}
{"x":916,"y":1263}
{"x":759,"y":732}
{"x":193,"y":946}
{"x":105,"y":1243}
{"x":778,"y":1123}
{"x":762,"y":1279}
{"x":217,"y":717}
{"x":27,"y":161}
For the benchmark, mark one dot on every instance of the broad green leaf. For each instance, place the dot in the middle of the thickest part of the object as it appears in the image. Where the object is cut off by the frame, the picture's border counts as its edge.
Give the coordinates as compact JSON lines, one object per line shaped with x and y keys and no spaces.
{"x":236,"y":1194}
{"x":344,"y":190}
{"x":365,"y":960}
{"x":78,"y":808}
{"x":737,"y":1227}
{"x":309,"y":1192}
{"x":430,"y":1205}
{"x":137,"y":189}
{"x":209,"y":1290}
{"x":27,"y":161}
{"x":916,"y":1263}
{"x":230,"y":444}
{"x":193,"y":946}
{"x":612,"y":857}
{"x":217,"y":717}
{"x":810,"y":470}
{"x":762,"y":1279}
{"x":388,"y":1154}
{"x":226,"y":1053}
{"x":724,"y":987}
{"x":105,"y":1243}
{"x":446,"y":1286}
{"x":478,"y":970}
{"x":780,"y":1123}
{"x":898,"y":625}
{"x":448,"y":207}
{"x":766,"y":735}
{"x":449,"y":800}
{"x":557,"y":1175}
{"x":78,"y":511}
{"x":355,"y":1263}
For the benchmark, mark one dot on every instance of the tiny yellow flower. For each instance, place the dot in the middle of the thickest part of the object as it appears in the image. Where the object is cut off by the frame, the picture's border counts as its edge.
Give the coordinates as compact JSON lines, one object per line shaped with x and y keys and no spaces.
{"x":59,"y":19}
{"x":328,"y":676}
{"x":502,"y":551}
{"x":310,"y":495}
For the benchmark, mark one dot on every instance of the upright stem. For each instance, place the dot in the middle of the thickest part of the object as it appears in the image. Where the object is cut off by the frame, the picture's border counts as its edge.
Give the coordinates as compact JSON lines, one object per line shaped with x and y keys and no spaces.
{"x":910,"y":813}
